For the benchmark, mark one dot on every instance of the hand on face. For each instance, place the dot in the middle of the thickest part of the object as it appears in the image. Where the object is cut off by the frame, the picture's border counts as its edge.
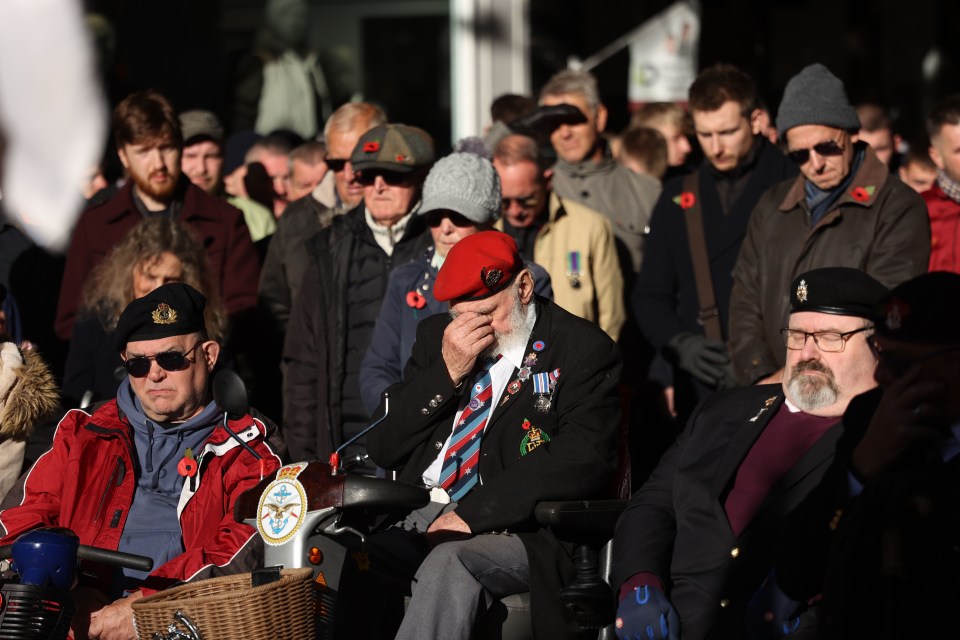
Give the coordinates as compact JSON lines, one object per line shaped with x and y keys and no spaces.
{"x":464,"y":340}
{"x":910,"y":413}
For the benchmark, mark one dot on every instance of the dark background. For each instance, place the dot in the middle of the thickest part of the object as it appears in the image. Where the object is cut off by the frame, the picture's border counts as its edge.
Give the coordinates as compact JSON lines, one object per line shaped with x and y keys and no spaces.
{"x":190,"y":48}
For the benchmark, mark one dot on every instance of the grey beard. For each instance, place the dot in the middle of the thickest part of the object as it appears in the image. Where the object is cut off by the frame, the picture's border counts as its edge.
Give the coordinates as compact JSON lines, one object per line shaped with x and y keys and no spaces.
{"x":812,"y":393}
{"x":522,"y":319}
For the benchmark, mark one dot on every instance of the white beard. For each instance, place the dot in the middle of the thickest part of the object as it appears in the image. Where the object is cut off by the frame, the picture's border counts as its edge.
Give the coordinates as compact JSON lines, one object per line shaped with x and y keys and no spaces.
{"x":522,"y":319}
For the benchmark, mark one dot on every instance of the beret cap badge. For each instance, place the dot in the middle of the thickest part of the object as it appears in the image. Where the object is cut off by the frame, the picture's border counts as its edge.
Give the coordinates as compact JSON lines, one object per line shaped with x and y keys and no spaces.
{"x":802,"y":291}
{"x":490,"y":277}
{"x":164,"y":314}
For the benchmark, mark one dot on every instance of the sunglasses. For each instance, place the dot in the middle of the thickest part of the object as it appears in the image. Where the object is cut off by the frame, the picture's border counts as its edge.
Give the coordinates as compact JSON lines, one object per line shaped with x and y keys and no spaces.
{"x":336,"y":164}
{"x":435,"y":219}
{"x":139,"y":366}
{"x":825,"y":149}
{"x":528,"y":202}
{"x":393,"y":178}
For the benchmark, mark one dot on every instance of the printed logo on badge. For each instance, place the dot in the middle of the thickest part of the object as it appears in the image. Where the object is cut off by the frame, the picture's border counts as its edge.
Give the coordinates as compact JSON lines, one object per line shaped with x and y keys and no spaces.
{"x":283,"y":506}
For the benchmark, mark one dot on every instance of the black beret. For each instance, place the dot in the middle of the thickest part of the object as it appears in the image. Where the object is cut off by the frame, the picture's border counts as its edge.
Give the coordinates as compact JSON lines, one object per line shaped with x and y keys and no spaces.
{"x":840,"y":291}
{"x":924,"y":309}
{"x":174,"y":309}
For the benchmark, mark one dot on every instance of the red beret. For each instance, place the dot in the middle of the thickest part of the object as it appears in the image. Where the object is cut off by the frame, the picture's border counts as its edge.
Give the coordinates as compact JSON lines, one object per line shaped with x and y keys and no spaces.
{"x":478,"y":267}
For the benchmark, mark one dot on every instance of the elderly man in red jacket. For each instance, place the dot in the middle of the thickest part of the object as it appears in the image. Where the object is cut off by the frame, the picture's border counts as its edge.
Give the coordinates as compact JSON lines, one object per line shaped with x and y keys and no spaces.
{"x":154,"y":472}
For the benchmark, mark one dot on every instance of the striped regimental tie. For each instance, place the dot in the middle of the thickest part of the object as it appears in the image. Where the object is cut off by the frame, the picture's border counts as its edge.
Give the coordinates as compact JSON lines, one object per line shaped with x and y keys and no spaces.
{"x":459,"y":471}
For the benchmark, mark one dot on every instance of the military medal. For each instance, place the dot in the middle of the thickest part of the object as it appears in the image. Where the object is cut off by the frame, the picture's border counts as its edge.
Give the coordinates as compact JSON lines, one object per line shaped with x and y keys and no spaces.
{"x":544,"y":392}
{"x":573,"y":269}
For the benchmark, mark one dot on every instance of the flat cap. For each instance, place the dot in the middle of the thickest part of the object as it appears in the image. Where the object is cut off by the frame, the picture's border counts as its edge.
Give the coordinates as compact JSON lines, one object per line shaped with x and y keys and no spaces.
{"x":839,"y":291}
{"x":924,"y":309}
{"x":174,"y":309}
{"x":478,"y":266}
{"x":197,"y":125}
{"x":394,"y":147}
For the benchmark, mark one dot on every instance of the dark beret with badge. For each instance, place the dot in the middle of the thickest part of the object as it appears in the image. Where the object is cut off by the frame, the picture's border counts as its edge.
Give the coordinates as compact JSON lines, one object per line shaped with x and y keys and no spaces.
{"x":839,"y":291}
{"x":924,"y":309}
{"x":174,"y":309}
{"x":477,"y":267}
{"x":393,"y":147}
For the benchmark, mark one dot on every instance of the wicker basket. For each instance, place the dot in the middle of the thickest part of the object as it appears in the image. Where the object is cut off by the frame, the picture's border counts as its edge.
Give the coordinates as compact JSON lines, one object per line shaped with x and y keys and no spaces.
{"x":228,"y":608}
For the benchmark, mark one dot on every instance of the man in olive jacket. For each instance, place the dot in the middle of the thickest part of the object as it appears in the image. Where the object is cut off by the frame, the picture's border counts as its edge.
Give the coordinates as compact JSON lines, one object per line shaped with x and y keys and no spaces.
{"x":845,"y":210}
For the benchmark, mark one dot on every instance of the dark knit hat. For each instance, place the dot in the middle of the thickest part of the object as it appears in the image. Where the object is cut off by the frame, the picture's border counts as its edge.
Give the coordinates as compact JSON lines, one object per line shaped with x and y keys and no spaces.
{"x":235,"y":150}
{"x":198,"y":125}
{"x":466,"y":184}
{"x":924,"y":309}
{"x":394,"y":147}
{"x":477,"y":267}
{"x":840,"y":291}
{"x":174,"y":309}
{"x":816,"y":96}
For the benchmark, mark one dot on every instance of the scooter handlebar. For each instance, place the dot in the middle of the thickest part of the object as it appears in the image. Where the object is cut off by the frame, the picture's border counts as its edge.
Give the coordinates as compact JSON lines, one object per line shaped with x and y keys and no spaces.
{"x":115,"y":558}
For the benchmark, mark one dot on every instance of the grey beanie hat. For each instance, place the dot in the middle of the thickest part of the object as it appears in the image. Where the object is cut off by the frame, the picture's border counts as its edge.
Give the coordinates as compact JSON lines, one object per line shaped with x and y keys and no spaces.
{"x":466,"y":184}
{"x":816,"y":96}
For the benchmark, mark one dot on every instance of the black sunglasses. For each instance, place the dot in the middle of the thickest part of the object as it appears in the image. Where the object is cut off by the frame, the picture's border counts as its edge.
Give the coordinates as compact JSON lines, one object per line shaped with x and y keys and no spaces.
{"x":524,"y":203}
{"x":435,"y":219}
{"x":139,"y":366}
{"x":393,"y":178}
{"x":336,"y":164}
{"x":826,"y":149}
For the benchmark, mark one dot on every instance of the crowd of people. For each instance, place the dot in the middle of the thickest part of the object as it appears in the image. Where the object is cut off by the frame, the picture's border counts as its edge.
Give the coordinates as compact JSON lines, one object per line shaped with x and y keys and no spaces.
{"x":778,"y":317}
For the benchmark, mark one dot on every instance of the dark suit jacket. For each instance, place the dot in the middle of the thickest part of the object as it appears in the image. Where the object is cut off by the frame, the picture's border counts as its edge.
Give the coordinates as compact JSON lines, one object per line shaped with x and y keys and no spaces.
{"x":576,"y":463}
{"x":676,"y":527}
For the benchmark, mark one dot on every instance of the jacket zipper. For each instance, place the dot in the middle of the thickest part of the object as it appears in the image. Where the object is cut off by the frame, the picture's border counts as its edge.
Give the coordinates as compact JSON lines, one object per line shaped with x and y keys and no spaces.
{"x":116,"y":478}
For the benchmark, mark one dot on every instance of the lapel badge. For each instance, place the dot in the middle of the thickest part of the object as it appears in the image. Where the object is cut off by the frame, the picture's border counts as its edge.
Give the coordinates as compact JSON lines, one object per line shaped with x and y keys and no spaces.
{"x":769,"y":401}
{"x":513,"y":387}
{"x":802,"y":291}
{"x":539,"y":345}
{"x":524,"y":373}
{"x":530,"y":361}
{"x":533,"y":438}
{"x":164,"y":314}
{"x":490,"y":277}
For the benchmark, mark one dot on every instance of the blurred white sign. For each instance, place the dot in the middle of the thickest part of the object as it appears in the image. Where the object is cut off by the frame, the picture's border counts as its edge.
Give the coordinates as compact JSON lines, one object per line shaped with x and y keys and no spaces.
{"x":663,"y":55}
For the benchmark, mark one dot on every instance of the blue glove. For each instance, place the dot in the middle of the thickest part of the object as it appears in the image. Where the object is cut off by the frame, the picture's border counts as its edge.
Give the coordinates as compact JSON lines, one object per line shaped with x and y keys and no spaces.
{"x":647,"y":614}
{"x":770,"y":613}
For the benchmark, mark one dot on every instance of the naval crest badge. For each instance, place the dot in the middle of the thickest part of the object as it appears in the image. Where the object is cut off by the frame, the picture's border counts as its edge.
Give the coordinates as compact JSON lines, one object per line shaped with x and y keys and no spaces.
{"x":164,"y":314}
{"x":896,"y":312}
{"x":283,"y":506}
{"x":802,"y":291}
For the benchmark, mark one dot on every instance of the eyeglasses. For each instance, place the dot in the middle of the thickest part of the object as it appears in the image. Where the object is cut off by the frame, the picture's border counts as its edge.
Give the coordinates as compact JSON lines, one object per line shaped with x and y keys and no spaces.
{"x":139,"y":366}
{"x":435,"y":218}
{"x":528,"y":202}
{"x":336,"y":164}
{"x":826,"y":341}
{"x":393,"y":178}
{"x":898,"y":365}
{"x":825,"y":149}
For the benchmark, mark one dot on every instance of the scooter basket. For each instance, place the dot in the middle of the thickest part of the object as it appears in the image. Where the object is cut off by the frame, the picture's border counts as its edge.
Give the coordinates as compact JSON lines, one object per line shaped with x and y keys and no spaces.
{"x":30,"y":612}
{"x":228,"y":608}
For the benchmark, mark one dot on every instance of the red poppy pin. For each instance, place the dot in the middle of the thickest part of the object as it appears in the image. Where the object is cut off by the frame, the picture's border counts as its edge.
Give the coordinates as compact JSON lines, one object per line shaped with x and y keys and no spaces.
{"x":415,"y":300}
{"x":400,"y":157}
{"x":526,"y":425}
{"x":187,"y":466}
{"x":371,"y":147}
{"x":862,"y":194}
{"x":686,"y":200}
